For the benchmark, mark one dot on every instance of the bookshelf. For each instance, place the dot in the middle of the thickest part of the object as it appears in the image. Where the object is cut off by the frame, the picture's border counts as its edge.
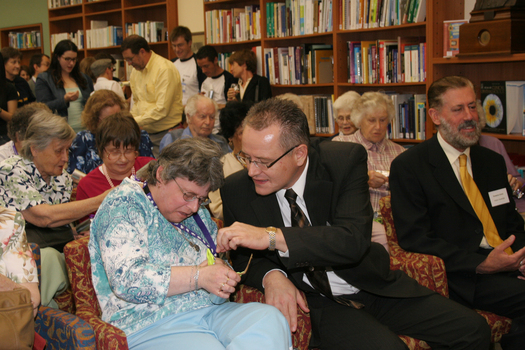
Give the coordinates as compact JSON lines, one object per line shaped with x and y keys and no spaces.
{"x":26,"y":52}
{"x":78,"y":18}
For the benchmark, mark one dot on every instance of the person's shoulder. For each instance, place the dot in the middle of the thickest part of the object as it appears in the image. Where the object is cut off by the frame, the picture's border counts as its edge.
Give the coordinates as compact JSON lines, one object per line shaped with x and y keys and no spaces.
{"x":12,"y":164}
{"x":176,"y":133}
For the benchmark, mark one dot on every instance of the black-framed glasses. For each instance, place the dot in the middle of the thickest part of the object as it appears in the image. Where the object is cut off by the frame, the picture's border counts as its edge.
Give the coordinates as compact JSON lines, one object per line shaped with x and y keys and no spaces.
{"x":247,"y":161}
{"x":190,"y":197}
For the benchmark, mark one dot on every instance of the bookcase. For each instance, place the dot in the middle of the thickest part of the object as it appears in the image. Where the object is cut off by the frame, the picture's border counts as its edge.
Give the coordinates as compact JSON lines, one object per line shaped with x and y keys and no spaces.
{"x":476,"y":68}
{"x":77,"y":19}
{"x":26,"y":52}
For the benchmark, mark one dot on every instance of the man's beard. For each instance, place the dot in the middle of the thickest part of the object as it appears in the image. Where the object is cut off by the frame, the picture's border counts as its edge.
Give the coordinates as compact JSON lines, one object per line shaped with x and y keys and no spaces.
{"x":456,"y":138}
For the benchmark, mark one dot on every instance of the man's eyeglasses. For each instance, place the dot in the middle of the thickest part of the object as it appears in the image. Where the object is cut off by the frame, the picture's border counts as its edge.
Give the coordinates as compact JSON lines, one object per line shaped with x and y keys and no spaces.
{"x":190,"y":197}
{"x":116,"y":153}
{"x":247,"y":161}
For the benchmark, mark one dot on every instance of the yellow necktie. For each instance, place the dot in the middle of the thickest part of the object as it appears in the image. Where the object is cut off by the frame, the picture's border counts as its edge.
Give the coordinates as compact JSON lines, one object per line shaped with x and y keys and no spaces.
{"x":478,"y":203}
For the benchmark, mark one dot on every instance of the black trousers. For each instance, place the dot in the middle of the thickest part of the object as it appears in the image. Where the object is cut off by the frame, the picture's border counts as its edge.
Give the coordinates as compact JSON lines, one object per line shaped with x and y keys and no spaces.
{"x":441,"y":322}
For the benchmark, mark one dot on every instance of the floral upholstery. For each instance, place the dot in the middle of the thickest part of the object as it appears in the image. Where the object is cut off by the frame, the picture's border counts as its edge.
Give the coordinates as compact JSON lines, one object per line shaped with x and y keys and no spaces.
{"x":87,"y":307}
{"x":61,"y":330}
{"x":430,"y":272}
{"x":301,"y":338}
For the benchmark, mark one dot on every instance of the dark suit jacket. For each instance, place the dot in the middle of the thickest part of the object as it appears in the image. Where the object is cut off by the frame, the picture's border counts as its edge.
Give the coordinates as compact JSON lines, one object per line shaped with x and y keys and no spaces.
{"x":53,"y":96}
{"x":258,"y":89}
{"x":433,"y":215}
{"x":338,"y":202}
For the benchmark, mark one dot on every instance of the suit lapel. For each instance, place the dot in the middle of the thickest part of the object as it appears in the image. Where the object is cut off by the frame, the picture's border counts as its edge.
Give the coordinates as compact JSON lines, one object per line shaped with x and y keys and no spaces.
{"x":317,"y":193}
{"x":446,"y":177}
{"x":267,"y":211}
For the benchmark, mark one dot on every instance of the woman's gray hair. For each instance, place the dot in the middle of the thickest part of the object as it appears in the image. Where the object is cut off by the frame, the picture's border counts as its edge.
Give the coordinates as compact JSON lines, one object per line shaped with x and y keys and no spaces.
{"x":345,"y":102}
{"x":191,"y":105}
{"x":369,"y":102}
{"x":196,"y":159}
{"x":42,"y":130}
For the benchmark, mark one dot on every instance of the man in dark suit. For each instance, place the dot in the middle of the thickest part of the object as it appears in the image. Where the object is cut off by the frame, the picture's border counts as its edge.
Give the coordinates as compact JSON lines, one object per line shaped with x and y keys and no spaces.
{"x":363,"y":302}
{"x":433,"y":214}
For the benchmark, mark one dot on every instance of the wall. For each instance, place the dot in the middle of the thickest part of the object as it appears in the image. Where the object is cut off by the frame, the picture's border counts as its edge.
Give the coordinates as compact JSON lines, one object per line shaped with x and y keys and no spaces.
{"x":21,"y":12}
{"x":191,"y":14}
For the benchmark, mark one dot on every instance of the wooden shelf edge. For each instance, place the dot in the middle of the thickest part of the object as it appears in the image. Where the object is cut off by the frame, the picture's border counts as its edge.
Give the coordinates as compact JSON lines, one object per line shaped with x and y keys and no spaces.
{"x":96,"y":2}
{"x":102,"y":12}
{"x":478,"y":59}
{"x":328,"y":34}
{"x":157,"y":4}
{"x":31,"y":49}
{"x":515,"y":137}
{"x":424,"y":83}
{"x":65,"y":18}
{"x":236,"y":43}
{"x":279,"y":86}
{"x":226,"y":2}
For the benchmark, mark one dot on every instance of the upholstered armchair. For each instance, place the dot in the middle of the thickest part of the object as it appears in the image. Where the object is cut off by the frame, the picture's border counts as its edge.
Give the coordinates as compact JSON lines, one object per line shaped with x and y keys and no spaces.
{"x":61,"y":330}
{"x":429,"y":271}
{"x":86,"y":302}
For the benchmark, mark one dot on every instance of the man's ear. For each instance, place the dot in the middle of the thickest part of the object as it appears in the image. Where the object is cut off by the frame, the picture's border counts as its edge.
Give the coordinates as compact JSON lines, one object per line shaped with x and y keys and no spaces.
{"x":301,"y":154}
{"x":434,"y":115}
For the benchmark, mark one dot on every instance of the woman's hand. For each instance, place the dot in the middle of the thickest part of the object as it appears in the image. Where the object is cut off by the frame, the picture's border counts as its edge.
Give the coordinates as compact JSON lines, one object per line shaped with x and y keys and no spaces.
{"x":71,"y":96}
{"x":218,"y":279}
{"x":376,"y":180}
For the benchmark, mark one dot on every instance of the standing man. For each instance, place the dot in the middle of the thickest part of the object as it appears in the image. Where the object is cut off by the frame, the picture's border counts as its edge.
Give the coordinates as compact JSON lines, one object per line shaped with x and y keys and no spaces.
{"x":191,"y":75}
{"x":306,"y":217}
{"x":201,"y":112}
{"x":39,"y":63}
{"x":451,"y":198}
{"x":157,"y":92}
{"x":12,"y":70}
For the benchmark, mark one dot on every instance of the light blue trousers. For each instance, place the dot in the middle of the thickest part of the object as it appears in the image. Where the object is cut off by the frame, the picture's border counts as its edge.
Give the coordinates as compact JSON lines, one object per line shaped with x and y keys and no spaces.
{"x":229,"y":326}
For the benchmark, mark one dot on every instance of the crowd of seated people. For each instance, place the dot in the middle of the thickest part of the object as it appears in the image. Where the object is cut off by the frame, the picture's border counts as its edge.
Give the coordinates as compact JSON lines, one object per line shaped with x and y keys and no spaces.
{"x":151,"y":228}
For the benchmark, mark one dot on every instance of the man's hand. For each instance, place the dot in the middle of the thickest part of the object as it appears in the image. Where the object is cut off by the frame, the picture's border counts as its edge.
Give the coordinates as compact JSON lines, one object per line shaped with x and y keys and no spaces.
{"x":498,"y":260}
{"x":248,"y":236}
{"x":376,"y":180}
{"x":281,"y":293}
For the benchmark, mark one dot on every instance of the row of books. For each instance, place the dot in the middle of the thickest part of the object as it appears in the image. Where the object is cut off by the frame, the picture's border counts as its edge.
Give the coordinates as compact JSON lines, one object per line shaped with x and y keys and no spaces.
{"x":152,"y":31}
{"x":387,"y":61}
{"x":25,"y":40}
{"x":102,"y":35}
{"x":233,"y":25}
{"x":410,"y":116}
{"x":295,"y":65}
{"x":52,"y":4}
{"x":319,"y":113}
{"x":359,"y":14}
{"x":76,"y":37}
{"x":298,"y":17}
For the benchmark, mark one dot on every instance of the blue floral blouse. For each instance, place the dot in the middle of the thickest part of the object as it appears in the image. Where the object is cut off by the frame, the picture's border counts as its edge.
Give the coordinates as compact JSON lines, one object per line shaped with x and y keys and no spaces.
{"x":83,"y":153}
{"x":132,"y":248}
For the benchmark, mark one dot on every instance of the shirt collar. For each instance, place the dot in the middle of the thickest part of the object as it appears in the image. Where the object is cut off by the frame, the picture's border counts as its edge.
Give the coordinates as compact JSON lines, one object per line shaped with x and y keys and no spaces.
{"x":451,"y":153}
{"x":299,"y":185}
{"x":149,"y":65}
{"x":376,"y":147}
{"x":186,"y":59}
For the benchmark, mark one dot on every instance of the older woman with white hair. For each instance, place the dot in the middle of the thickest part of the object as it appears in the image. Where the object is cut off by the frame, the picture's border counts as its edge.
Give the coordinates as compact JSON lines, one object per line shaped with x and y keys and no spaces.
{"x":37,"y":185}
{"x":371,"y":114}
{"x":343,"y":112}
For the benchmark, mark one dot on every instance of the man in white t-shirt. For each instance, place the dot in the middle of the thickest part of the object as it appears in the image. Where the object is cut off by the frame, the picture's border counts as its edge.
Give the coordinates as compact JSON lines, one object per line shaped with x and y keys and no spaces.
{"x":103,"y":70}
{"x":190,"y":74}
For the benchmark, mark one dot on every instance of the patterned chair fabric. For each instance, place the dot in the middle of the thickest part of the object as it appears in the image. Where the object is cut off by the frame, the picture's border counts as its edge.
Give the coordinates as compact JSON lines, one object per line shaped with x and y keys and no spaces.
{"x":87,"y":307}
{"x":61,"y":330}
{"x":431,"y":274}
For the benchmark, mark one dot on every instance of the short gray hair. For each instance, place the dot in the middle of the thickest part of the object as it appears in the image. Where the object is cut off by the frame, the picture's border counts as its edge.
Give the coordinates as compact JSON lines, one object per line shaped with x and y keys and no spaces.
{"x":345,"y":102}
{"x":196,"y":159}
{"x":193,"y":102}
{"x":369,"y":102}
{"x":43,"y":128}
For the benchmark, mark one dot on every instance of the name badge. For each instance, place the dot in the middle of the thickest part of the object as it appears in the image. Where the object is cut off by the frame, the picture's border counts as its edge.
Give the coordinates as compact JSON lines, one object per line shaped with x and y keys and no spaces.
{"x":499,"y":197}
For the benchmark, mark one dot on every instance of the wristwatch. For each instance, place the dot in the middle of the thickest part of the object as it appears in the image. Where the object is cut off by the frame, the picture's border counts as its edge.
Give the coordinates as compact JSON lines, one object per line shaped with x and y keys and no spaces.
{"x":271,"y":235}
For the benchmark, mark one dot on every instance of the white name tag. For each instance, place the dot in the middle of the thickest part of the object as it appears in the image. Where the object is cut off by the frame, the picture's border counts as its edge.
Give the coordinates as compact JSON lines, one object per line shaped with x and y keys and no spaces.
{"x":499,"y":197}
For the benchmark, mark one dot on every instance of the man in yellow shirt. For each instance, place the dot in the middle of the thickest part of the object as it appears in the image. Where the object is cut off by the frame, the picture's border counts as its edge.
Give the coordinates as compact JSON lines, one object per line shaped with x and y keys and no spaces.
{"x":156,"y":88}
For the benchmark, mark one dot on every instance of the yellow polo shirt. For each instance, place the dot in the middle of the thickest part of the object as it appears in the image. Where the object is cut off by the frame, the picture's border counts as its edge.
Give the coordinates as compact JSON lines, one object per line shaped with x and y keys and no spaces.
{"x":157,"y":95}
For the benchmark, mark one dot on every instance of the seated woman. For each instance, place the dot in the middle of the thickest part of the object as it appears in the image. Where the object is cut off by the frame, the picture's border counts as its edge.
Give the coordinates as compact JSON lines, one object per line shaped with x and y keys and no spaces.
{"x":118,"y":139}
{"x":16,"y":128}
{"x":148,"y":256}
{"x":371,"y":114}
{"x":37,"y":185}
{"x":231,"y":117}
{"x":17,"y":266}
{"x":83,"y":152}
{"x":343,"y":115}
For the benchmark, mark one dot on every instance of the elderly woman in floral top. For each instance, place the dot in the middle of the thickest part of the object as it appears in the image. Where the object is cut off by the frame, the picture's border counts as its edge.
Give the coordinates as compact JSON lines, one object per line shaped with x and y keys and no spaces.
{"x":149,"y":245}
{"x":37,"y":185}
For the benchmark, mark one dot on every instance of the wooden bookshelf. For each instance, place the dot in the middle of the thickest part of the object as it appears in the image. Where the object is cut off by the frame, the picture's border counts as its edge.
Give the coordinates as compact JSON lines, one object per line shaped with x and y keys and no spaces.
{"x":72,"y":18}
{"x":27,"y":53}
{"x":477,"y":68}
